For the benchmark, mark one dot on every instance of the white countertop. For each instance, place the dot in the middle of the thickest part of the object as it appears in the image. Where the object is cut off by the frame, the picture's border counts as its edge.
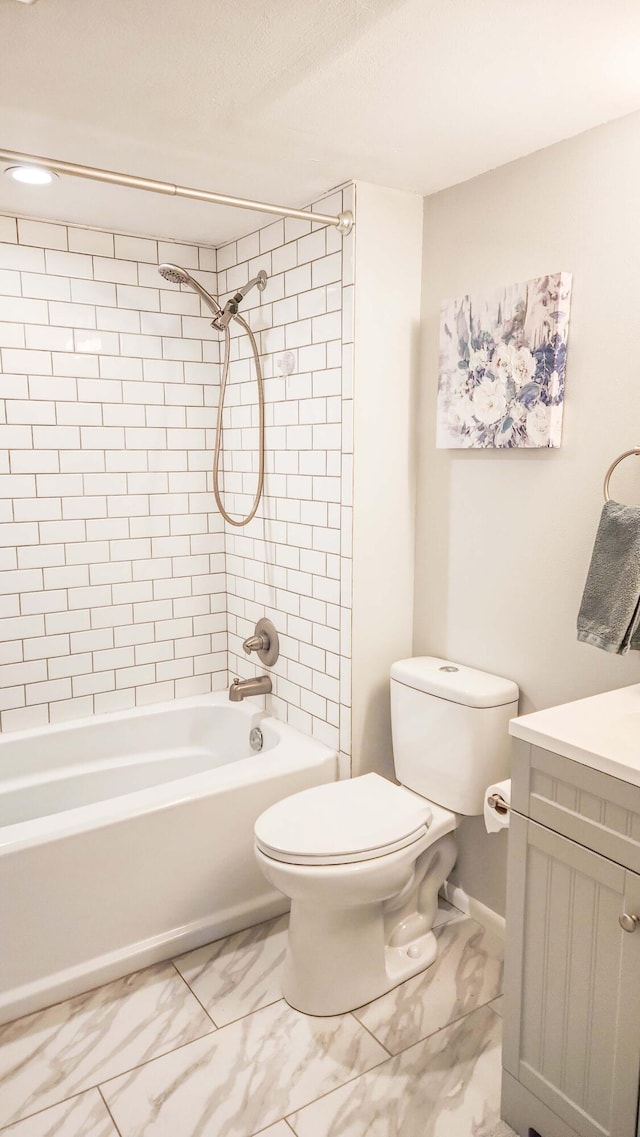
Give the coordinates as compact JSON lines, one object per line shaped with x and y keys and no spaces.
{"x":602,"y":731}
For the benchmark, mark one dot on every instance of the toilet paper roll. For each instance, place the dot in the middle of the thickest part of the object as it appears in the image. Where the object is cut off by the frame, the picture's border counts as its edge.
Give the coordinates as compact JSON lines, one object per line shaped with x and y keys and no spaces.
{"x":497,"y":804}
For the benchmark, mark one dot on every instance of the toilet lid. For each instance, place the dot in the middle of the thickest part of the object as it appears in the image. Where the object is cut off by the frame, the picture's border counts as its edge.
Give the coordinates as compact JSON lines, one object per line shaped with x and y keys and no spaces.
{"x":353,"y":820}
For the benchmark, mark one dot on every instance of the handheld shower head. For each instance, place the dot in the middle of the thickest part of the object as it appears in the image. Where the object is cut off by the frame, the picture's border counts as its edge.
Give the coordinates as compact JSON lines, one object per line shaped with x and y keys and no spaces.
{"x":178,"y":275}
{"x":174,"y":273}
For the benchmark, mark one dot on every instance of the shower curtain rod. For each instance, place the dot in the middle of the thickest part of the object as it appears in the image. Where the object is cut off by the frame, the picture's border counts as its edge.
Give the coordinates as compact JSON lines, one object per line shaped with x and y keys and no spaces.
{"x":343,"y":222}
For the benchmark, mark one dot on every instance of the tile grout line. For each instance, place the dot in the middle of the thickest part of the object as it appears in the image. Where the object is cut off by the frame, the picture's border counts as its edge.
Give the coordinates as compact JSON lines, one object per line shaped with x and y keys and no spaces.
{"x":419,"y":1041}
{"x":266,"y":1128}
{"x":123,"y":1073}
{"x":369,"y":1032}
{"x":54,"y":1105}
{"x":262,"y":1007}
{"x":192,"y":992}
{"x":348,"y":1082}
{"x":113,"y":1120}
{"x":191,"y":1041}
{"x":155,"y":1058}
{"x":97,"y":1085}
{"x":364,"y":1073}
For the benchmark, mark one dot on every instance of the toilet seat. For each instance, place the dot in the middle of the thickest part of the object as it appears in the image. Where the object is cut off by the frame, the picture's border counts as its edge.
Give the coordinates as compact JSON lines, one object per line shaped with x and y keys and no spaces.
{"x":342,"y":822}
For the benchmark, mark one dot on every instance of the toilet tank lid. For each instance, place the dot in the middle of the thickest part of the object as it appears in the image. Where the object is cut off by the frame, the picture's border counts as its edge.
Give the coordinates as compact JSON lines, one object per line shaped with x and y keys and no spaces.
{"x":454,"y":682}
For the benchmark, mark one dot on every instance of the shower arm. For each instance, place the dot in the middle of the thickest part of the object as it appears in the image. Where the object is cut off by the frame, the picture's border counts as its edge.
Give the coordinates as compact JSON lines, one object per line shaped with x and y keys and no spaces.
{"x":232,"y":306}
{"x":259,"y":281}
{"x":343,"y":222}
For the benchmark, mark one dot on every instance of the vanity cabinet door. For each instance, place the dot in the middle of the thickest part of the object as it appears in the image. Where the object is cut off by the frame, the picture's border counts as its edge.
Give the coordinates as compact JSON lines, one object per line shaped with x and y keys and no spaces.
{"x":572,"y":982}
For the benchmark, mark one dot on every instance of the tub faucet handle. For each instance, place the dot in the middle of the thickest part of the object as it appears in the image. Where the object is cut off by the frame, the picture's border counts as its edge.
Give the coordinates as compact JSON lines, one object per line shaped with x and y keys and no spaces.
{"x":264,"y":641}
{"x":256,"y":643}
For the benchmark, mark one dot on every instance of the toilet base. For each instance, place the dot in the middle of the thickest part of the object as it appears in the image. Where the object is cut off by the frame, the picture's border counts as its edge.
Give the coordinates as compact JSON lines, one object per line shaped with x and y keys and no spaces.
{"x":335,"y":959}
{"x":405,"y":962}
{"x":341,"y":958}
{"x":400,"y":966}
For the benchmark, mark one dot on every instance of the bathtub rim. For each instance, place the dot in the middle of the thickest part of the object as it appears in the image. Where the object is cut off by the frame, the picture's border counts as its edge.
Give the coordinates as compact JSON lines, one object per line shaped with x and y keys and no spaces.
{"x":284,"y":757}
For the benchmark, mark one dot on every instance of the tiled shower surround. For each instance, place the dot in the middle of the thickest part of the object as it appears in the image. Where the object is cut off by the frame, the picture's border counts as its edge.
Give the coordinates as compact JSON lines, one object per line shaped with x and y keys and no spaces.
{"x":120,"y":584}
{"x":293,"y":561}
{"x":113,"y":586}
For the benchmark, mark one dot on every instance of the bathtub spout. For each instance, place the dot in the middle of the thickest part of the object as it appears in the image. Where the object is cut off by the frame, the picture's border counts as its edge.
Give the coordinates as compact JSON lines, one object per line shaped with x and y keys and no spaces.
{"x":242,"y":688}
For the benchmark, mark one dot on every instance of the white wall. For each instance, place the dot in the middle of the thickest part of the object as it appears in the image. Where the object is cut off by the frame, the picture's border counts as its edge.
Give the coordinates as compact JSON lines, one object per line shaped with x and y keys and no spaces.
{"x":387,"y":319}
{"x":504,"y":538}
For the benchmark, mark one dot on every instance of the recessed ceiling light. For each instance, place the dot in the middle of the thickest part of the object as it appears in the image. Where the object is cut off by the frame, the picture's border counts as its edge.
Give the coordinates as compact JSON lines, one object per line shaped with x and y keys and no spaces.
{"x":31,"y":175}
{"x":26,"y":1}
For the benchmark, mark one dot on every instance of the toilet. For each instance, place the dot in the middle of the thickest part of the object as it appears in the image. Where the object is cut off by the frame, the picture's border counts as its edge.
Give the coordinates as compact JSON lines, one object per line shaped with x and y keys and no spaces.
{"x":362,"y":860}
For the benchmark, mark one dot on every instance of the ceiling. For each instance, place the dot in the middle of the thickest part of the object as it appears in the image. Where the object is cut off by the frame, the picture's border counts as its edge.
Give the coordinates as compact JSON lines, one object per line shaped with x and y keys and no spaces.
{"x":282,"y":99}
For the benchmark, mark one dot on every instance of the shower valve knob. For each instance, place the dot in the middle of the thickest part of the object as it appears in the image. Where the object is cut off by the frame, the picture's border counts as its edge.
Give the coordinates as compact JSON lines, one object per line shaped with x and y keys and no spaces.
{"x":264,"y":641}
{"x":256,"y":643}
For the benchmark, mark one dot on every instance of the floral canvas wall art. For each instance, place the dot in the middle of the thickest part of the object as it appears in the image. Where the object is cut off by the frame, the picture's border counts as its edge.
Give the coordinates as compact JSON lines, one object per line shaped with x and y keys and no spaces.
{"x":502,"y":365}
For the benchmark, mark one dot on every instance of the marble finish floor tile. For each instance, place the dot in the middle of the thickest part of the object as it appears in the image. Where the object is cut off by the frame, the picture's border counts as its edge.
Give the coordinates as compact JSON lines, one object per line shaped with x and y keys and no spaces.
{"x":446,"y":1086}
{"x":498,"y":1005}
{"x":466,"y":974}
{"x":58,"y":1052}
{"x":280,"y":1129}
{"x":239,"y":974}
{"x":84,"y":1116}
{"x":242,"y":1078}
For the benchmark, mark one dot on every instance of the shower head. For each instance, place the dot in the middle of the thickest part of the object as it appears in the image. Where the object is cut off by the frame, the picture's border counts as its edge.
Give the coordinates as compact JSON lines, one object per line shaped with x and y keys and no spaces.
{"x":178,"y":275}
{"x":174,"y":273}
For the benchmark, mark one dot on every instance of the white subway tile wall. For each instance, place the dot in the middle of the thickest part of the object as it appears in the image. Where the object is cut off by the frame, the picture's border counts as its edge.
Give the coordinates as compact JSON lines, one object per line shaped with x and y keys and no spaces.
{"x":292,"y":562}
{"x":119,"y":582}
{"x":112,"y":577}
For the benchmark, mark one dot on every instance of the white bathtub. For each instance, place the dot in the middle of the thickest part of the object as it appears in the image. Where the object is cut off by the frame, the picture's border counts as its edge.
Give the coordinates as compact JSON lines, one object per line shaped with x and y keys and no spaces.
{"x":128,"y":838}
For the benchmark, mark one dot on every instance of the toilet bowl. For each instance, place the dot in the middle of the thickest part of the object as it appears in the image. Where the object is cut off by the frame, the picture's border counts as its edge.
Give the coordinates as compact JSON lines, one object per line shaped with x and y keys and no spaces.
{"x":361,"y":913}
{"x":362,"y":860}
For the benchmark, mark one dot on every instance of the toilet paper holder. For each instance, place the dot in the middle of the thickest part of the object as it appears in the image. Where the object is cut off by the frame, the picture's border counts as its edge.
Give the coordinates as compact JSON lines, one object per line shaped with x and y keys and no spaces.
{"x":497,"y":802}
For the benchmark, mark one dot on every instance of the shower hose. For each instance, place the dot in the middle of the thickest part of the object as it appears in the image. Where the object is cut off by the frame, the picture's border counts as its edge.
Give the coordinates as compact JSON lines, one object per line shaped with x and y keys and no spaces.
{"x":218,"y":446}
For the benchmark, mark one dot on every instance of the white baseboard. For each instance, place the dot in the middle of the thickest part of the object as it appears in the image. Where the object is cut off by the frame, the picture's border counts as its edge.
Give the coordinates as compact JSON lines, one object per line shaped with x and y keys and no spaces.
{"x":474,"y":908}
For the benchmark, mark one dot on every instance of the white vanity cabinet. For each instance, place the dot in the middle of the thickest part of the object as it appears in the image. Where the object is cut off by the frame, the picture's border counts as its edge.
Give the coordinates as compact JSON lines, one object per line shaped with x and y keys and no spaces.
{"x":571,"y":1056}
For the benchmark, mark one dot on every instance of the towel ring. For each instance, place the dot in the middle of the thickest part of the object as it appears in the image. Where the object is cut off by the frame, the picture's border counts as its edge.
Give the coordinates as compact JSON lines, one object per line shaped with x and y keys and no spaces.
{"x":619,"y":459}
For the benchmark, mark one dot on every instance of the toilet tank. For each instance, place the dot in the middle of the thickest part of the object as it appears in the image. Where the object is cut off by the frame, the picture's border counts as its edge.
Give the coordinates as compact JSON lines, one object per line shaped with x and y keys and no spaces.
{"x":450,"y":730}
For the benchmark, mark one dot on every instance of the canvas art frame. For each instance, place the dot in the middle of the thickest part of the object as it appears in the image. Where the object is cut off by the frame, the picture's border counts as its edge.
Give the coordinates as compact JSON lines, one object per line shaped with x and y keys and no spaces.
{"x":502,"y":365}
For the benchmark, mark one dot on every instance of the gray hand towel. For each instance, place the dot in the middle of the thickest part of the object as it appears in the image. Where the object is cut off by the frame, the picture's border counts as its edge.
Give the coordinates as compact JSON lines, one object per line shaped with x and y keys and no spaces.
{"x":610,"y":610}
